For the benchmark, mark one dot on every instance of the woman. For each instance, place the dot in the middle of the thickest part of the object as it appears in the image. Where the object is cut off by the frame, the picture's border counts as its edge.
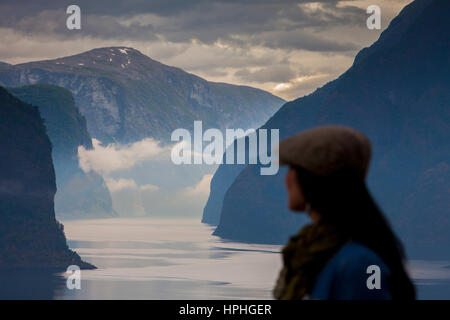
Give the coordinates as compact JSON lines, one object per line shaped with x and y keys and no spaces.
{"x":348,"y":251}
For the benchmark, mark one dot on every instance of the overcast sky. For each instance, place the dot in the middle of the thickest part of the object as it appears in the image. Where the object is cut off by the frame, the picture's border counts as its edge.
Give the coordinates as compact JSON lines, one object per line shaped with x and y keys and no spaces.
{"x":286,"y":47}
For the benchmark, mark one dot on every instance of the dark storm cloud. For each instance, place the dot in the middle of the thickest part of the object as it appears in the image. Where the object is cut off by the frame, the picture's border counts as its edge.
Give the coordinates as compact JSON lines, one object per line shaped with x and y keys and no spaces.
{"x":133,"y":7}
{"x":274,"y":24}
{"x":263,"y":43}
{"x":53,"y":22}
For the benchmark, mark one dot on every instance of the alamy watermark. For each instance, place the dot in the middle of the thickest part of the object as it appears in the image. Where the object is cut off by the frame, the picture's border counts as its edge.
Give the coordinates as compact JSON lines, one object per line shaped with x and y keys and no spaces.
{"x":74,"y":278}
{"x":73,"y":21}
{"x":374,"y":280}
{"x":374,"y":20}
{"x":191,"y":150}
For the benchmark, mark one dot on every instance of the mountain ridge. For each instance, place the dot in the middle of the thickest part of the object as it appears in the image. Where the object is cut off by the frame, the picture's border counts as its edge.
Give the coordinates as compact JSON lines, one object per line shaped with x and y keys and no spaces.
{"x":399,"y":97}
{"x":127,"y":96}
{"x":79,"y":194}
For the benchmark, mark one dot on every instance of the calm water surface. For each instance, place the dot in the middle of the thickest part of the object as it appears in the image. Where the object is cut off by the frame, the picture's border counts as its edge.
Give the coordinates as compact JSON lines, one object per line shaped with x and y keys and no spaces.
{"x":153,"y":258}
{"x":167,"y":259}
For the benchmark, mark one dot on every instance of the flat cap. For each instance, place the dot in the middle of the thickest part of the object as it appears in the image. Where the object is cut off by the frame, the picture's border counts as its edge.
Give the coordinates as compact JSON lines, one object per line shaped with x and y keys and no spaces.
{"x":327,"y":149}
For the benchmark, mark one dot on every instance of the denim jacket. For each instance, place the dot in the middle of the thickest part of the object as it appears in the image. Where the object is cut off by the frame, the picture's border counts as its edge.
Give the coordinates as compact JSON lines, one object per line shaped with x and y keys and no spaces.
{"x":347,"y":277}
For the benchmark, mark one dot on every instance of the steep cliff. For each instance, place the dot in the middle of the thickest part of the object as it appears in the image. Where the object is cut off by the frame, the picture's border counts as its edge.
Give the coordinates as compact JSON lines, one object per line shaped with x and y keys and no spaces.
{"x":79,"y":194}
{"x":30,"y":236}
{"x":397,"y":93}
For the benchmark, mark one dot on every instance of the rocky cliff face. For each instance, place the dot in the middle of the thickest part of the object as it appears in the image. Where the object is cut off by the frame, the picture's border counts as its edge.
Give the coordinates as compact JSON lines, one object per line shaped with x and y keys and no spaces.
{"x":398,"y":93}
{"x":30,"y":236}
{"x":126,"y":96}
{"x":220,"y":183}
{"x":79,"y":194}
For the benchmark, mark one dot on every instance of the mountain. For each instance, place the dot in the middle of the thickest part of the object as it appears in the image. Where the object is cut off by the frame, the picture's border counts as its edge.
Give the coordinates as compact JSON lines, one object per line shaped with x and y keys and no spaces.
{"x":30,"y":236}
{"x":80,"y":194}
{"x":221,"y":181}
{"x":398,"y":93}
{"x":4,"y":63}
{"x":127,"y":96}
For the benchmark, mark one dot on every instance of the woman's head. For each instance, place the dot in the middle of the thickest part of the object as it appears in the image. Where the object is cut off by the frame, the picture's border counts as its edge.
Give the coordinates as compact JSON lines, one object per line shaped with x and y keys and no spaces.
{"x":316,"y":155}
{"x":328,"y":179}
{"x":328,"y":149}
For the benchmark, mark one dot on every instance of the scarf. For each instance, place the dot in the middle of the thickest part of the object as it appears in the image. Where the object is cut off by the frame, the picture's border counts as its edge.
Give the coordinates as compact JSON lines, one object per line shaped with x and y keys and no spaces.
{"x":304,"y":257}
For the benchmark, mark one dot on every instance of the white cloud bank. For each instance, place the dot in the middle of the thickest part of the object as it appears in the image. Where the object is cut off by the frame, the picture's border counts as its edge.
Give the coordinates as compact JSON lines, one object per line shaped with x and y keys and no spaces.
{"x":143,"y":180}
{"x":114,"y":157}
{"x":120,"y":184}
{"x":200,"y":189}
{"x":123,"y":183}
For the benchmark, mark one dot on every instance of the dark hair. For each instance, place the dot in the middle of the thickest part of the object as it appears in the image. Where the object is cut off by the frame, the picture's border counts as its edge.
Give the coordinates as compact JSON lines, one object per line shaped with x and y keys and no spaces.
{"x":343,"y":200}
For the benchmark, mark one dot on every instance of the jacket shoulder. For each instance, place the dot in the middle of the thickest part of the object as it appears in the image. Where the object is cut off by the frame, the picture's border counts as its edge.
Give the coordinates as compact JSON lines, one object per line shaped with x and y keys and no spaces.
{"x":347,"y":275}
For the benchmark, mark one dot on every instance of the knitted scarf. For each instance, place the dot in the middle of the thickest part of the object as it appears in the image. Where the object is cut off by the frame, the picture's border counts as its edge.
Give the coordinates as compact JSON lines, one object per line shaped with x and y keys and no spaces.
{"x":304,"y":257}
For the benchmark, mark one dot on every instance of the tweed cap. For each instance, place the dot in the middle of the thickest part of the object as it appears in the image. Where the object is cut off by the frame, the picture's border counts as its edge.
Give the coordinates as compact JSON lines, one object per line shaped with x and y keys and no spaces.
{"x":327,"y":149}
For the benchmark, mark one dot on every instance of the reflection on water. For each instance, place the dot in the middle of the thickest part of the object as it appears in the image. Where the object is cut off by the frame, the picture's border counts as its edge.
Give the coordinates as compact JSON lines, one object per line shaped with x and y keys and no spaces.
{"x":29,"y":284}
{"x":432,"y":279}
{"x":174,"y":259}
{"x":168,"y":259}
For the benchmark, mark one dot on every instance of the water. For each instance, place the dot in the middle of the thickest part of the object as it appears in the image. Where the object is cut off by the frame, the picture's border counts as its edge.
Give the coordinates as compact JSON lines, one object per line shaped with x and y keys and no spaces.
{"x":149,"y":258}
{"x":167,"y":259}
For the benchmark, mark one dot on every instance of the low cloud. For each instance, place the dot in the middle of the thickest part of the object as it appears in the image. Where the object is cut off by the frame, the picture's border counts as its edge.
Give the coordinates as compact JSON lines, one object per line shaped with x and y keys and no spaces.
{"x":130,"y":199}
{"x":114,"y":157}
{"x":200,"y":189}
{"x":143,"y":180}
{"x":120,"y":184}
{"x":149,"y":187}
{"x":124,"y":183}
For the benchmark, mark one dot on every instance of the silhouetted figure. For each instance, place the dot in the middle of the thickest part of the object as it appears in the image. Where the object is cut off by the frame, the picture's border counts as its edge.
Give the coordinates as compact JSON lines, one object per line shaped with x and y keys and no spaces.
{"x":348,"y":251}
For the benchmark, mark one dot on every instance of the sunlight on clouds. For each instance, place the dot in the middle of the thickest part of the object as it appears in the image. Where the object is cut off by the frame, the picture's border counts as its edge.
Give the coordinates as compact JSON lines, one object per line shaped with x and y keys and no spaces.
{"x":277,"y":34}
{"x":296,"y":84}
{"x":282,"y":86}
{"x":311,"y":7}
